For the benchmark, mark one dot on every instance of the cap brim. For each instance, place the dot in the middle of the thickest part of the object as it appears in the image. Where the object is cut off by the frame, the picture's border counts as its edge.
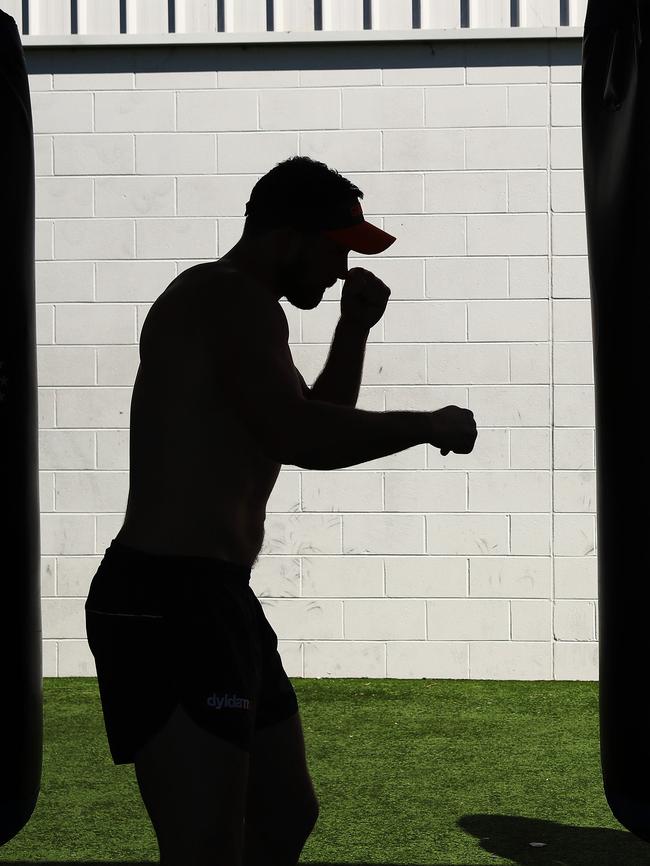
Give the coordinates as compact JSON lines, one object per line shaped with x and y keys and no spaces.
{"x":363,"y":238}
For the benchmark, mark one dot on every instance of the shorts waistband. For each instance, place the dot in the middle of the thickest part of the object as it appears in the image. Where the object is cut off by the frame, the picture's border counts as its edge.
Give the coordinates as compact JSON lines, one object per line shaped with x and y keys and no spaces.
{"x":134,"y":582}
{"x":174,"y":561}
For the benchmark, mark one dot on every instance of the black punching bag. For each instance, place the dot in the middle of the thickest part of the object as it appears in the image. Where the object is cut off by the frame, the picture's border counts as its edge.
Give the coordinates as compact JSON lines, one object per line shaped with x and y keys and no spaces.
{"x":616,"y":152}
{"x":21,"y":708}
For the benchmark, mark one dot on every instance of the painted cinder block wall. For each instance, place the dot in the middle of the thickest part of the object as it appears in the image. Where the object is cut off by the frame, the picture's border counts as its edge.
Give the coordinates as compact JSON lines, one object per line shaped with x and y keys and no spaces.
{"x":478,"y":566}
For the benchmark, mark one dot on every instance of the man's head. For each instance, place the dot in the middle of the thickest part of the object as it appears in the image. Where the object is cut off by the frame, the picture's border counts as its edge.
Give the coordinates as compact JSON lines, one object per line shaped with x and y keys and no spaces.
{"x":280,"y":247}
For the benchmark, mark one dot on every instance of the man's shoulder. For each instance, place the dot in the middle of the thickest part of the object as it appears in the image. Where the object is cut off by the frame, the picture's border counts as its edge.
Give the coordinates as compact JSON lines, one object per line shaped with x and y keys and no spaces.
{"x":223,"y":283}
{"x":212,"y":278}
{"x":228,"y":295}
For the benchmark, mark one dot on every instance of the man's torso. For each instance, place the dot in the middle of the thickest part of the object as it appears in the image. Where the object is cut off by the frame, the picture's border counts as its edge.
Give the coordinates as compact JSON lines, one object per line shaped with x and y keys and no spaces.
{"x":199,"y":484}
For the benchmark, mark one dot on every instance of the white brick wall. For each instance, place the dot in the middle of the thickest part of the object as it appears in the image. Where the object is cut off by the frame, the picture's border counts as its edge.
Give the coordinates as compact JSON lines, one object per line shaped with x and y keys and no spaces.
{"x":415,"y":565}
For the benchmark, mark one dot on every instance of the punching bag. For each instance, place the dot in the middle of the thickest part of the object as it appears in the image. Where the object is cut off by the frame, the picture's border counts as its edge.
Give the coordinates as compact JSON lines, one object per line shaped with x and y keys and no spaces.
{"x":615,"y":102}
{"x":21,"y":711}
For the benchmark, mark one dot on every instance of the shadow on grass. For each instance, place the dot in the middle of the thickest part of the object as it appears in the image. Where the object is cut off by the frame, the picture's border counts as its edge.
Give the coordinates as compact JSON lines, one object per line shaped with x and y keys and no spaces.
{"x":514,"y":839}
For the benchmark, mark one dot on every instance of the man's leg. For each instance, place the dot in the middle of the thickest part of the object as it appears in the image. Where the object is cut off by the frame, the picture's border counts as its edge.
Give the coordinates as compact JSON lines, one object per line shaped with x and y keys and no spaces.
{"x":193,"y":785}
{"x":281,"y":805}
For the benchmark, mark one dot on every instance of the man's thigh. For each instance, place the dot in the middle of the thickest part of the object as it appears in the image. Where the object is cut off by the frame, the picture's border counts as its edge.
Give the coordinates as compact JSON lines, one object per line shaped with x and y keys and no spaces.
{"x":193,"y":785}
{"x":281,"y":795}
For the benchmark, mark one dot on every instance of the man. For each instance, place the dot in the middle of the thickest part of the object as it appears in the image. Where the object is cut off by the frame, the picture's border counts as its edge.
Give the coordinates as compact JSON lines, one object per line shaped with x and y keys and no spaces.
{"x":193,"y":689}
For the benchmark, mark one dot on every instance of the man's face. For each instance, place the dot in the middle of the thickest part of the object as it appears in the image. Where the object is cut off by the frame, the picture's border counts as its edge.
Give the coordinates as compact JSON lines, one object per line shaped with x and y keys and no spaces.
{"x":309,"y":266}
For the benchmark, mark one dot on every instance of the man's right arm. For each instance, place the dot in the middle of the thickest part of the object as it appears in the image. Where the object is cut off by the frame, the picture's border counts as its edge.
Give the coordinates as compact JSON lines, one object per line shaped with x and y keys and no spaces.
{"x":333,"y":437}
{"x":257,"y":378}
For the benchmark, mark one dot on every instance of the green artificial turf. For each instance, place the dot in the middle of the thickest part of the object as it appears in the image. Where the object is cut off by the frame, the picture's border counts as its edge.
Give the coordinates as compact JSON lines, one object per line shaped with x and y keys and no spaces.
{"x":406,"y":772}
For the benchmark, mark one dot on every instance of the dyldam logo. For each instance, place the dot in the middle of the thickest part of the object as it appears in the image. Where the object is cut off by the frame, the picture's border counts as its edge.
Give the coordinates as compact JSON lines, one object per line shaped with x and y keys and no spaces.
{"x":232,"y":703}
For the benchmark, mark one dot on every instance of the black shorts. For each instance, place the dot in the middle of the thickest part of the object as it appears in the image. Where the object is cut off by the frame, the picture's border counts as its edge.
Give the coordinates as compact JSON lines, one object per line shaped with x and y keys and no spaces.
{"x":166,"y":630}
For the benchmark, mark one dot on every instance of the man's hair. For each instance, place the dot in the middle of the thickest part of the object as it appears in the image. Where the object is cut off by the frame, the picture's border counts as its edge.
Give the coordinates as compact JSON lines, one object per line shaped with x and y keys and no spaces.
{"x":285,"y":195}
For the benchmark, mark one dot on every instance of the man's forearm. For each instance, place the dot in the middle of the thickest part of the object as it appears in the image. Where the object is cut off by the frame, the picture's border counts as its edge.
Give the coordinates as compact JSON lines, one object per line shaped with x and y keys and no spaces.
{"x":340,"y":379}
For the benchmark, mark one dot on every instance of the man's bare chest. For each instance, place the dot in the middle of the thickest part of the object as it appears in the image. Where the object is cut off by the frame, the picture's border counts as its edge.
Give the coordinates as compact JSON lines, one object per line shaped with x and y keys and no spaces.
{"x":180,"y":417}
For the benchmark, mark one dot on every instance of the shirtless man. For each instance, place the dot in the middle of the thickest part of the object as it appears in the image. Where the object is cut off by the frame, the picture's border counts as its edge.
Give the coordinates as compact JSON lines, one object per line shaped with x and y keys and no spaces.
{"x":218,"y":406}
{"x":215,"y":370}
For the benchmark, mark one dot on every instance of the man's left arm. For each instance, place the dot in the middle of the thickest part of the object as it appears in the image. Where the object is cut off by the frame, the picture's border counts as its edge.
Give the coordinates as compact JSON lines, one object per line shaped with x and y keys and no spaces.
{"x":363,"y":302}
{"x":340,"y":378}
